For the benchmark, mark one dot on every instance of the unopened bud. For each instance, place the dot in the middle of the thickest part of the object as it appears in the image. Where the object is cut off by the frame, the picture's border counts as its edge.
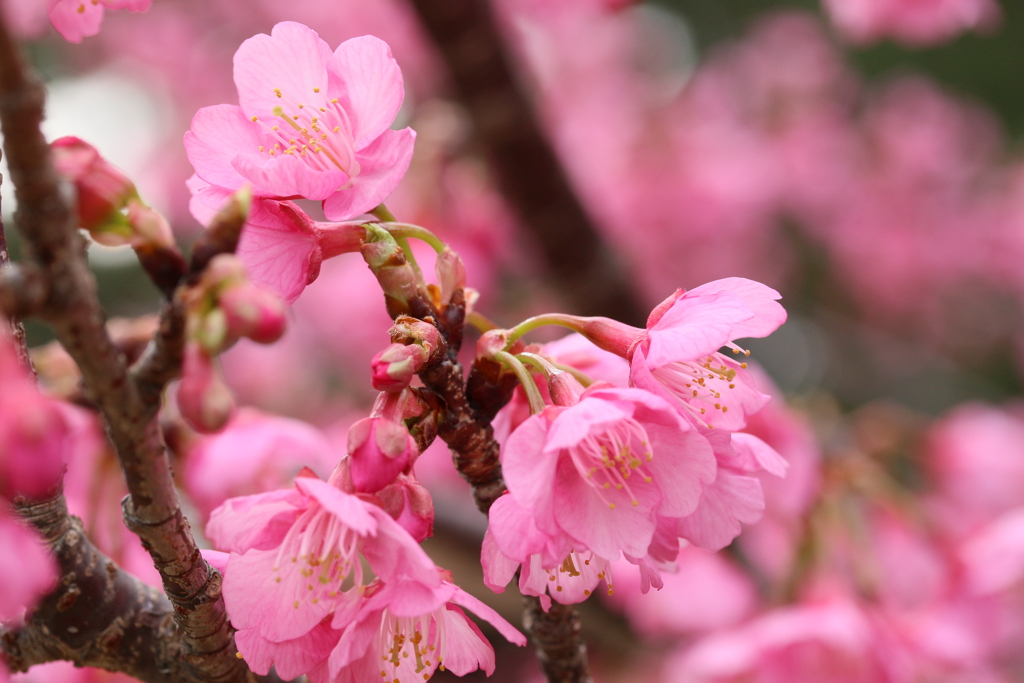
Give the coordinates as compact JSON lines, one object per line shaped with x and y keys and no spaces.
{"x":204,"y":400}
{"x":565,"y":389}
{"x":451,"y":274}
{"x":388,"y":264}
{"x":394,"y":367}
{"x":103,"y":190}
{"x":491,"y":342}
{"x":149,"y":228}
{"x":380,"y":450}
{"x":254,"y":313}
{"x":409,"y":504}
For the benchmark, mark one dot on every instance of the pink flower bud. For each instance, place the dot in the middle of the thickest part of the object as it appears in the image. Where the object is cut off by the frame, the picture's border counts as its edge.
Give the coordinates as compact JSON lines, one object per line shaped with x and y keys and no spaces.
{"x":148,"y":226}
{"x":451,"y":274}
{"x":380,"y":450}
{"x":409,"y":504}
{"x":34,"y":434}
{"x":254,"y":313}
{"x":103,"y":190}
{"x":34,"y":439}
{"x":204,"y":400}
{"x":564,"y":388}
{"x":491,"y":343}
{"x":395,"y":366}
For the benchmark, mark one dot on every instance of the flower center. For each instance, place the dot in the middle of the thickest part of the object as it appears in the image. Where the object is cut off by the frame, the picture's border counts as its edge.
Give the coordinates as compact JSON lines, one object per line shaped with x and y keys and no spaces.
{"x":319,"y":132}
{"x":324,"y":551}
{"x":701,"y":385}
{"x":607,"y":460}
{"x":584,"y":567}
{"x":410,"y":646}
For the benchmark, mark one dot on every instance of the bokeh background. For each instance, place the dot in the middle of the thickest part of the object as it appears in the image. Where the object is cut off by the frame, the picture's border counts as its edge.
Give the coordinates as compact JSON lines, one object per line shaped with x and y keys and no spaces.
{"x":863,"y":157}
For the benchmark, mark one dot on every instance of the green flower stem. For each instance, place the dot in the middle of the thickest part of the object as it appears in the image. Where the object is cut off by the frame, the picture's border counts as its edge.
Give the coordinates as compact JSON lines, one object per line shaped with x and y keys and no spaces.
{"x":407,"y":230}
{"x":480,"y":321}
{"x":537,"y":321}
{"x":383,"y":214}
{"x":525,"y":378}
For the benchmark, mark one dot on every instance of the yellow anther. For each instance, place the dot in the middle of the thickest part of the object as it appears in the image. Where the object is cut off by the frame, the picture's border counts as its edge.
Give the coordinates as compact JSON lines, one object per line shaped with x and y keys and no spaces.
{"x":255,"y":119}
{"x":316,"y":89}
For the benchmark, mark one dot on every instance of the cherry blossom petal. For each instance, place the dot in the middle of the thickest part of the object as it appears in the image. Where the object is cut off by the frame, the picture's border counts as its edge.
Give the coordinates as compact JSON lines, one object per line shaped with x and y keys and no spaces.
{"x":75,"y":19}
{"x":695,"y":327}
{"x":586,"y":516}
{"x":290,"y":658}
{"x":730,"y":500}
{"x":761,"y":299}
{"x":287,"y":175}
{"x":292,"y":59}
{"x":383,"y":163}
{"x":271,"y":597}
{"x":371,"y":83}
{"x":257,"y":521}
{"x":217,"y":135}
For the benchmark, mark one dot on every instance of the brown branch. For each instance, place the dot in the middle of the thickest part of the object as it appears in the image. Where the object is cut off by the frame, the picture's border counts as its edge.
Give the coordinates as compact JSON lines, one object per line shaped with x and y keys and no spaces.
{"x":15,"y":298}
{"x":46,"y":220}
{"x":469,"y":408}
{"x":529,"y":174}
{"x":98,"y":615}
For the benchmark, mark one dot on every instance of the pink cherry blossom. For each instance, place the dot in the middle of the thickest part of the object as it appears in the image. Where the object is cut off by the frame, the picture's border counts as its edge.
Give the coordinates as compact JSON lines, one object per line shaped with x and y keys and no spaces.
{"x":256,"y":452}
{"x":77,"y":19}
{"x":282,"y":248}
{"x":293,"y":550}
{"x":833,"y":640}
{"x":917,"y":22}
{"x":679,"y":358}
{"x":735,"y":497}
{"x":389,"y":639}
{"x":27,"y":569}
{"x":595,"y":476}
{"x":311,"y":123}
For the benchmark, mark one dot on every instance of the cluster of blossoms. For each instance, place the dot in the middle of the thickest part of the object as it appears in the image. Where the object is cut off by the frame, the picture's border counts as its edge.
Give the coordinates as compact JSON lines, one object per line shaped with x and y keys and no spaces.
{"x":631,"y":466}
{"x":648,"y":456}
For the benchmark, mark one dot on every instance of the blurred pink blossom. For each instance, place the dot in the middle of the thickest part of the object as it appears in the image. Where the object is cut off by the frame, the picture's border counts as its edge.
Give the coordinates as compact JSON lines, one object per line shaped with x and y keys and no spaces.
{"x":917,"y":22}
{"x":77,"y":19}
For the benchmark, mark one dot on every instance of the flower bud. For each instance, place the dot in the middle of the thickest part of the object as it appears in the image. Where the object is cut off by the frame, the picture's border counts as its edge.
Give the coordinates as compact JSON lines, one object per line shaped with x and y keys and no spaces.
{"x":380,"y":450}
{"x":451,"y":274}
{"x":149,"y":228}
{"x":103,"y":190}
{"x":204,"y":400}
{"x":564,"y":388}
{"x":409,"y":504}
{"x":395,"y":366}
{"x":254,"y":313}
{"x":491,"y":342}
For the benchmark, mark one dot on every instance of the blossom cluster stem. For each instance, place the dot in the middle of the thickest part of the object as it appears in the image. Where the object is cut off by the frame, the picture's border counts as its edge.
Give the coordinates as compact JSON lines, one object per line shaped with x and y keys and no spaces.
{"x":47,"y":223}
{"x":470,"y":405}
{"x":525,"y":379}
{"x":384,"y":214}
{"x":408,"y":230}
{"x":538,"y":321}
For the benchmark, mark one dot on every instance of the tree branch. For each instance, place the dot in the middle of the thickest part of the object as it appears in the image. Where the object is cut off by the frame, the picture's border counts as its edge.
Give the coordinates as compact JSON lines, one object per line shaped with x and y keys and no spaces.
{"x":529,"y":174}
{"x":98,"y":615}
{"x":46,"y":220}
